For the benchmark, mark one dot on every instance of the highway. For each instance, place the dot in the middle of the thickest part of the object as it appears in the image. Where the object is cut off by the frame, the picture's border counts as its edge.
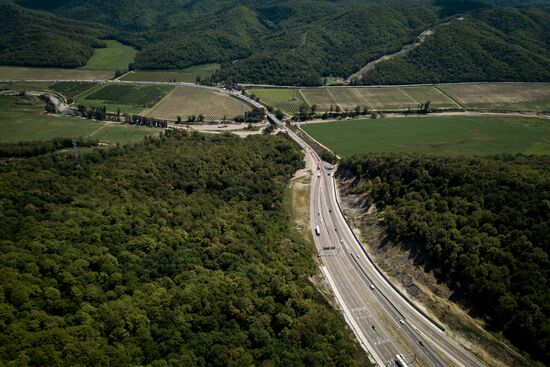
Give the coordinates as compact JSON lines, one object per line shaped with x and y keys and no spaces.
{"x":384,"y":321}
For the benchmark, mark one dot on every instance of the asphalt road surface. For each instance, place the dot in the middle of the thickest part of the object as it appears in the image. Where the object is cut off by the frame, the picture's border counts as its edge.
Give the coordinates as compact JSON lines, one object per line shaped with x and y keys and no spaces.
{"x":384,"y":321}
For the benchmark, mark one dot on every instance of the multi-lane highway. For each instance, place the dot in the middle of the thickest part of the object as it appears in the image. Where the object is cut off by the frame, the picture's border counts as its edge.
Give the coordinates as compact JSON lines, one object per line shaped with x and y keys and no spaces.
{"x":385,"y":322}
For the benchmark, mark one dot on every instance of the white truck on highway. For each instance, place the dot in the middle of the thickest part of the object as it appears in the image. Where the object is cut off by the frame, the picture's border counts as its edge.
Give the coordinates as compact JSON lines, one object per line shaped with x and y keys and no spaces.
{"x":400,"y":361}
{"x":317,"y":230}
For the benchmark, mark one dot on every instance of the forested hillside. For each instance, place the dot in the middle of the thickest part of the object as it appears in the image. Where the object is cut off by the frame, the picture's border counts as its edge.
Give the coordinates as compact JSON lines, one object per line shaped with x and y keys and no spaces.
{"x":302,"y":42}
{"x":169,"y":252}
{"x":481,"y":224}
{"x":34,"y":38}
{"x":505,"y":44}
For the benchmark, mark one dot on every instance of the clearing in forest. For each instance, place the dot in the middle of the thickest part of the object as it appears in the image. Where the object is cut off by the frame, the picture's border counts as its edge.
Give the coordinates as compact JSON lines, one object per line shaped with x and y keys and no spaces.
{"x":115,"y":56}
{"x":190,"y":101}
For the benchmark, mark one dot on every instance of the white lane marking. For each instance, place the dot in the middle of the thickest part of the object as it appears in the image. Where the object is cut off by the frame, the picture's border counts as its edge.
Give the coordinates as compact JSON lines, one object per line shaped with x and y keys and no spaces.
{"x":351,"y":321}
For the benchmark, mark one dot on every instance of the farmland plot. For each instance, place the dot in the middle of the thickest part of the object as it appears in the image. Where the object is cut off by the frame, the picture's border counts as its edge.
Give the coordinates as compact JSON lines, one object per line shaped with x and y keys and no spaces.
{"x":189,"y":74}
{"x":25,"y":73}
{"x":189,"y":101}
{"x":71,"y":89}
{"x":320,"y":97}
{"x":286,"y":100}
{"x":127,"y":98}
{"x":501,"y":96}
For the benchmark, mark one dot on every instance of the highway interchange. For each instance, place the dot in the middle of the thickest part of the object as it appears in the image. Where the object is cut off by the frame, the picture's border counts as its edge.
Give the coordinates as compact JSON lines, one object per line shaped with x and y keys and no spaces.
{"x":384,"y":321}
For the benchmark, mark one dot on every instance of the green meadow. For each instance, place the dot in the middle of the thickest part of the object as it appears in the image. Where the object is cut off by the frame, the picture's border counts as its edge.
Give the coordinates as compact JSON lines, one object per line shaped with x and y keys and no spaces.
{"x":454,"y":135}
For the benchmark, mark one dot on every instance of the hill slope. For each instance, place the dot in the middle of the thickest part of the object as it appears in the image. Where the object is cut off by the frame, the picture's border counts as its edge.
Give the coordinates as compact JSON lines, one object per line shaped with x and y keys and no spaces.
{"x":300,"y":42}
{"x":505,"y":44}
{"x":35,"y":38}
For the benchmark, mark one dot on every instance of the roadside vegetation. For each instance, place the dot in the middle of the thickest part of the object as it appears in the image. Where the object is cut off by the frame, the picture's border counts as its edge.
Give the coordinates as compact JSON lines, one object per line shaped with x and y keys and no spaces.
{"x":195,"y":267}
{"x":480,"y":224}
{"x":445,"y":135}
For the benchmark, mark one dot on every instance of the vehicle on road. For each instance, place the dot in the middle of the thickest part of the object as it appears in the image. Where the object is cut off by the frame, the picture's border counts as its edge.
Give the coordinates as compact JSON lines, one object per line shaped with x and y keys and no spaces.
{"x":402,"y":322}
{"x":317,"y":230}
{"x":400,"y":361}
{"x":372,"y":286}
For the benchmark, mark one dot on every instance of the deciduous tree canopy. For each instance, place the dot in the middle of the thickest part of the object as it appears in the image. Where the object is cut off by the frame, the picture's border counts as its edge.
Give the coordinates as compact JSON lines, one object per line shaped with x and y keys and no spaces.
{"x":484,"y":224}
{"x":172,"y":252}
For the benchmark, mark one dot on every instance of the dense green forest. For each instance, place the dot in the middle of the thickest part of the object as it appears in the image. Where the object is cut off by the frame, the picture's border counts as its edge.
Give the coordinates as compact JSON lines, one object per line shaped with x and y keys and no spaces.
{"x":505,"y":44}
{"x":301,"y":42}
{"x":35,"y":38}
{"x":481,"y":224}
{"x":171,"y":252}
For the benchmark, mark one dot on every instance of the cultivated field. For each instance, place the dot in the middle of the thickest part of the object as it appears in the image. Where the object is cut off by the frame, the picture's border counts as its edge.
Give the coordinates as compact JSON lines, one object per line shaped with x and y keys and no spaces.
{"x":436,"y":135}
{"x":115,"y":56}
{"x":496,"y":96}
{"x":127,"y":98}
{"x":185,"y":75}
{"x":188,"y":101}
{"x":376,"y":98}
{"x":23,"y":119}
{"x":71,"y":89}
{"x":286,"y":100}
{"x":501,"y":96}
{"x":22,"y":73}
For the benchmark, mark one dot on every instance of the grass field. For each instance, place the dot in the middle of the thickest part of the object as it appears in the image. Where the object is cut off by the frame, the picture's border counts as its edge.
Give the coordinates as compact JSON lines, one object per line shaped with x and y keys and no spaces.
{"x":453,"y":135}
{"x":22,"y":73}
{"x":115,"y":56}
{"x":286,"y":100}
{"x":127,"y":98}
{"x":501,"y":96}
{"x":23,"y":119}
{"x":185,"y":75}
{"x":187,"y":101}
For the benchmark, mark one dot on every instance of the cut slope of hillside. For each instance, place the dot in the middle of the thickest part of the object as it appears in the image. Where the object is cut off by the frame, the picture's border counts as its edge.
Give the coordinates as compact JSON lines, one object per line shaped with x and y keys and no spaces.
{"x":35,"y":38}
{"x":507,"y":44}
{"x":482,"y":225}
